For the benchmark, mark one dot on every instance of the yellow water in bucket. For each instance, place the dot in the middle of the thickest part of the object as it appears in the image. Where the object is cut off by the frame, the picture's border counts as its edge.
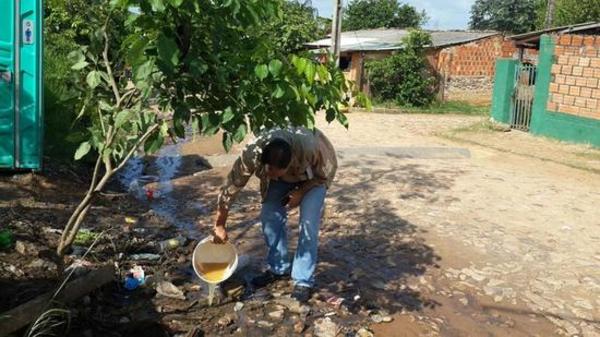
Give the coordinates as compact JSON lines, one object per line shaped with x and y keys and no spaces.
{"x":213,"y":272}
{"x":214,"y":263}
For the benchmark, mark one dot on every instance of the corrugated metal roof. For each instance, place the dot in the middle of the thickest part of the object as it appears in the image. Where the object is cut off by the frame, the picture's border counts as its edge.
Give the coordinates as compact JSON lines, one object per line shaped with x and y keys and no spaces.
{"x":559,"y":30}
{"x":532,"y":39}
{"x":391,"y":39}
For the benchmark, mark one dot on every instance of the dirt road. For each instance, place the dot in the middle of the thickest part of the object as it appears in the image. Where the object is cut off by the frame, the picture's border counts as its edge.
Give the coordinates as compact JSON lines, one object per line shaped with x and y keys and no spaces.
{"x":517,"y":239}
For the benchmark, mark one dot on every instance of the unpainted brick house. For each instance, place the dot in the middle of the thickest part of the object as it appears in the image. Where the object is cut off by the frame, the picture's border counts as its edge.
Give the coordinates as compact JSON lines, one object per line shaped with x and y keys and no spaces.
{"x":565,"y":85}
{"x":463,"y":61}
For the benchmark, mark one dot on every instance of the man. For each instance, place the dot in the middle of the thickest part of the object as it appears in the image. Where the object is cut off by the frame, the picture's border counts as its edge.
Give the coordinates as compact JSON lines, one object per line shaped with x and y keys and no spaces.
{"x":295,"y":167}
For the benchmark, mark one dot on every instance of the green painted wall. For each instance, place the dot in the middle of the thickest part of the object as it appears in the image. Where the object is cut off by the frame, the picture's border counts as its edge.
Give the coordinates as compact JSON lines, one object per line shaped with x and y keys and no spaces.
{"x":503,"y":87}
{"x":555,"y":124}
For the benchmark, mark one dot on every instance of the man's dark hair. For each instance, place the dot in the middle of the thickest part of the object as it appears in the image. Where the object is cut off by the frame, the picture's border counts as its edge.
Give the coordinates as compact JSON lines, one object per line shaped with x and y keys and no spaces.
{"x":277,"y":153}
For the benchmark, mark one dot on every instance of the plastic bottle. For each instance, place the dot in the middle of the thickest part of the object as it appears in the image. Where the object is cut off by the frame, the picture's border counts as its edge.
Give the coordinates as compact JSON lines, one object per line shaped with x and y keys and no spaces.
{"x":173,"y":243}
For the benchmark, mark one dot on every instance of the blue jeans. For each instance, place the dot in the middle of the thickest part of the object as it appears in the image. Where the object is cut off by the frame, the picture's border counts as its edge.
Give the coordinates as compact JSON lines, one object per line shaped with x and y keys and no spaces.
{"x":274,"y":224}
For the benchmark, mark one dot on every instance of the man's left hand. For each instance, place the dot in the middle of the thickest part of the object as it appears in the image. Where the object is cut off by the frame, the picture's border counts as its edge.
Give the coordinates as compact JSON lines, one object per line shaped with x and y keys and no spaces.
{"x":295,"y":198}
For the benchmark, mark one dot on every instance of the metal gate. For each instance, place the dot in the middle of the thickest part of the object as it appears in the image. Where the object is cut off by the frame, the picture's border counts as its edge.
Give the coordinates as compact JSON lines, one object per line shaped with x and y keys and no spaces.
{"x":523,"y":94}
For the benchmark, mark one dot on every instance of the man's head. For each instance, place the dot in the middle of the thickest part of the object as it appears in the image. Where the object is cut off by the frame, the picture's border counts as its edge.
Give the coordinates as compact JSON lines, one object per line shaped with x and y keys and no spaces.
{"x":276,"y":157}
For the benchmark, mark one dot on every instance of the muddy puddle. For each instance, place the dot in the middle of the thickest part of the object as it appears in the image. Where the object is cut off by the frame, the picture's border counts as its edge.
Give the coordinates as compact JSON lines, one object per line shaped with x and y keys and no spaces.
{"x":150,"y":180}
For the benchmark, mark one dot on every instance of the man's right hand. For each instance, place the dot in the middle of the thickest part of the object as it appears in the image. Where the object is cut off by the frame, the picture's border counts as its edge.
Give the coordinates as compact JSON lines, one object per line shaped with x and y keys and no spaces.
{"x":219,"y":234}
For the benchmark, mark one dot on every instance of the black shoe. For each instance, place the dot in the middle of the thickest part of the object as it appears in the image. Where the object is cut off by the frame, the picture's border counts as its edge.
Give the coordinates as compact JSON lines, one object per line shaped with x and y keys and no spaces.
{"x":267,"y":278}
{"x":301,"y":294}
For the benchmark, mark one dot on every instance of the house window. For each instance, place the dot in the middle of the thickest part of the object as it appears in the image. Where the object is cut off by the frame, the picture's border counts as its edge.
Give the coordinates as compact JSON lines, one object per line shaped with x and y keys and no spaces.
{"x":345,"y":63}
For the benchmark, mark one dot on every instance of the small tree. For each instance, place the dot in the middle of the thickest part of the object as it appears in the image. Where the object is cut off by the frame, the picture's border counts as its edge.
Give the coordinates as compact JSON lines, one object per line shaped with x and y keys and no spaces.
{"x":369,"y":14}
{"x":404,"y":77}
{"x":189,"y":62}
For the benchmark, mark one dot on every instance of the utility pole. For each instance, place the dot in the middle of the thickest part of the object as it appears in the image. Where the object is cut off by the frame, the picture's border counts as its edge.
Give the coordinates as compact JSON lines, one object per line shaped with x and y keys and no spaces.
{"x":336,"y":30}
{"x":549,"y":14}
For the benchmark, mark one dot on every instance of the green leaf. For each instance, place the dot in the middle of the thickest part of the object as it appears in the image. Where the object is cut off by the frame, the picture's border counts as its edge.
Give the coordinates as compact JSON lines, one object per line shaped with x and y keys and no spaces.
{"x":310,"y":71}
{"x":240,"y":133}
{"x":144,"y":71}
{"x":300,"y":64}
{"x":168,"y":50}
{"x":310,"y":121}
{"x":82,"y":150}
{"x":157,"y":5}
{"x":275,"y":67}
{"x":330,"y":115}
{"x":324,"y":75}
{"x":76,"y":56}
{"x":279,"y":92}
{"x":178,"y":128}
{"x":210,"y":123}
{"x":198,"y":67}
{"x":164,"y":129}
{"x":261,"y":71}
{"x":154,"y":143}
{"x":79,"y":65}
{"x":227,"y":115}
{"x":343,"y":119}
{"x":121,"y":118}
{"x":227,"y":141}
{"x":94,"y":78}
{"x":176,"y":3}
{"x":136,"y":50}
{"x":104,"y":105}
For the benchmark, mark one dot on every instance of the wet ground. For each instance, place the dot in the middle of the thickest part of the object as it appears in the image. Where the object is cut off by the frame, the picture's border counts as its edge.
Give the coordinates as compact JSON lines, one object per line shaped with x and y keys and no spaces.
{"x":423,"y":236}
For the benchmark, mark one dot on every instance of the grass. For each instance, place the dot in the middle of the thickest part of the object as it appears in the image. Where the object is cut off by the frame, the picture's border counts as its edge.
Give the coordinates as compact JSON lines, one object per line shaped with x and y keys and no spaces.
{"x":482,"y":126}
{"x":437,"y":107}
{"x":85,"y":237}
{"x":591,"y":154}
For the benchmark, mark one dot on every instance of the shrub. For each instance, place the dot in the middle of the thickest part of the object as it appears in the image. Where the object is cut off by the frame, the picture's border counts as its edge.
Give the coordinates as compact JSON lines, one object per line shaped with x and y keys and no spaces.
{"x":404,"y":77}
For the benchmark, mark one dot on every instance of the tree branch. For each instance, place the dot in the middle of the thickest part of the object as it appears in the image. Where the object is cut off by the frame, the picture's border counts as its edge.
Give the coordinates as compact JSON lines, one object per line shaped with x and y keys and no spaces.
{"x":140,"y":141}
{"x":111,"y":77}
{"x":101,"y":121}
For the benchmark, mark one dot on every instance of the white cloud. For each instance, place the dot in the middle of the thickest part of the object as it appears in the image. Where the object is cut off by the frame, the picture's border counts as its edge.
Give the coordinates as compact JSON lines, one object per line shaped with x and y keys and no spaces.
{"x":443,"y":14}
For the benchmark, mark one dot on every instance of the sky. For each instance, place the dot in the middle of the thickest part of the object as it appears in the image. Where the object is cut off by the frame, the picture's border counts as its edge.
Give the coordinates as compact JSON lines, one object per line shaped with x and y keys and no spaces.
{"x":443,"y":14}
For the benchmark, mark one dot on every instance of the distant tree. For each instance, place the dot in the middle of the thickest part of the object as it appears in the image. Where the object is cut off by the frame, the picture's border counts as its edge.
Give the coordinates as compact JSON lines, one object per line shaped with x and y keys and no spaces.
{"x":368,"y":14}
{"x":297,"y":24}
{"x":569,"y":12}
{"x":512,"y":16}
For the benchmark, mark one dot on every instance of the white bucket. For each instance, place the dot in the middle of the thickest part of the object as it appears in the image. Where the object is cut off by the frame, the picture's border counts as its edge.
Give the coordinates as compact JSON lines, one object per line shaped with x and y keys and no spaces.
{"x":208,"y":252}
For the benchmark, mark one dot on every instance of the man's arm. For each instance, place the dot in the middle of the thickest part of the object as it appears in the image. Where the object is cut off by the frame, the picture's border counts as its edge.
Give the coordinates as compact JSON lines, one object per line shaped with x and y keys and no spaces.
{"x":219,"y":231}
{"x":238,"y":177}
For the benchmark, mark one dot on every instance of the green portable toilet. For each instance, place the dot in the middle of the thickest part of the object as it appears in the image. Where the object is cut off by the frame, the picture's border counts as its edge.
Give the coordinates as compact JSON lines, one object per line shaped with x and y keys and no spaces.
{"x":21,"y":84}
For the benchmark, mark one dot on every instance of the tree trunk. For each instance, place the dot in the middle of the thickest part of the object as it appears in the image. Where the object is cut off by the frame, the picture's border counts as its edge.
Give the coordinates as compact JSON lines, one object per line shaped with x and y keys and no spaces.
{"x":550,"y":14}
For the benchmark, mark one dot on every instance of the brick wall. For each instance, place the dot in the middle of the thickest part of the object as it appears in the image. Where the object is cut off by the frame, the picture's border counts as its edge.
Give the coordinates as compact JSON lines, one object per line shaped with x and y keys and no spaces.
{"x":575,"y":85}
{"x":478,"y":58}
{"x":467,"y":70}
